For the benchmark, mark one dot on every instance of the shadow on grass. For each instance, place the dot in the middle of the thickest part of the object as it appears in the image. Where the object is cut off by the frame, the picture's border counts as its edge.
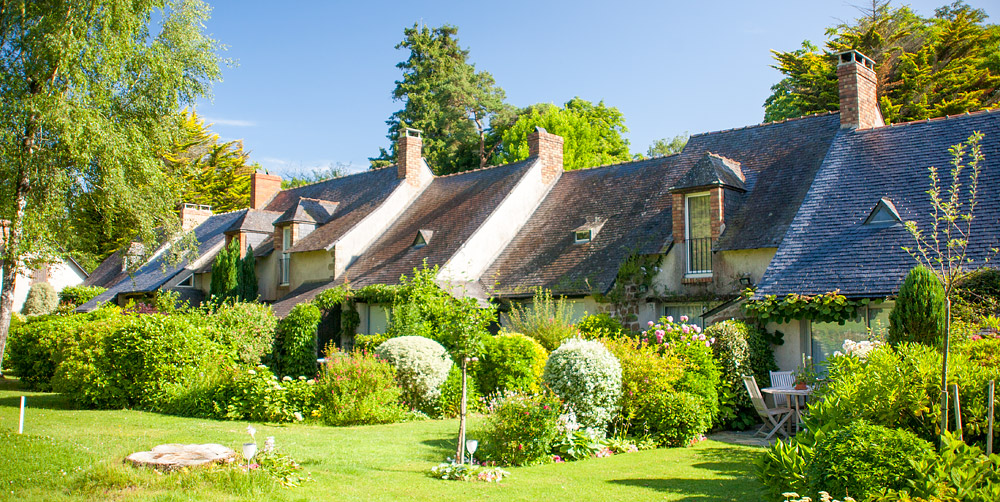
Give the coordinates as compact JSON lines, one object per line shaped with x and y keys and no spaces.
{"x":46,"y":401}
{"x":440,"y":448}
{"x":731,"y":472}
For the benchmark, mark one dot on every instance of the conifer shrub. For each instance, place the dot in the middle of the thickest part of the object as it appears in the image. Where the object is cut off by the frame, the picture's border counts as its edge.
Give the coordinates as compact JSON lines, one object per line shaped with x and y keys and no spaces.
{"x":919,"y":314}
{"x":297,"y":347}
{"x":588,"y":378}
{"x":42,"y":299}
{"x":422,"y":366}
{"x":512,"y":362}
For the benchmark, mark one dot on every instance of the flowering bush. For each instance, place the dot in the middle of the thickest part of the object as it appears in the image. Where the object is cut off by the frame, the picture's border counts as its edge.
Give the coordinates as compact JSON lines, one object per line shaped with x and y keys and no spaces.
{"x":646,"y":372}
{"x":358,"y":388}
{"x":588,"y":378}
{"x":520,"y":428}
{"x":694,"y":348}
{"x":422,"y":365}
{"x":468,"y":472}
{"x":858,"y":349}
{"x":512,"y":362}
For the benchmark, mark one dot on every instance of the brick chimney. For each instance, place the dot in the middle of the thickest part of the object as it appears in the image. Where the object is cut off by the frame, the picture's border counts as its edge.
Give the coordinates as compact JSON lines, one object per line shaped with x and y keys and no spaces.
{"x":408,"y":156}
{"x":549,"y":148}
{"x":858,"y":84}
{"x":193,"y":215}
{"x":263,"y":188}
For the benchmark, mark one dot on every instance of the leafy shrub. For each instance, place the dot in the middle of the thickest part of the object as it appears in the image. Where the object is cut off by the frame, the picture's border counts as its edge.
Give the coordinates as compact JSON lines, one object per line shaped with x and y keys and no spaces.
{"x":575,"y":443}
{"x":450,"y":402}
{"x":548,"y":320}
{"x":246,"y":328}
{"x":422,"y":365}
{"x":520,"y":429}
{"x":599,"y":326}
{"x":782,"y":467}
{"x":919,"y":314}
{"x":297,"y":335}
{"x":468,"y":472}
{"x":42,"y":299}
{"x":369,"y":343}
{"x":588,"y":378}
{"x":977,"y":295}
{"x":511,"y":362}
{"x":149,"y":352}
{"x":739,"y":349}
{"x":861,"y":458}
{"x":73,"y":296}
{"x":358,"y":388}
{"x":647,"y":372}
{"x":253,"y":394}
{"x":960,"y":472}
{"x":675,"y":418}
{"x":694,"y":349}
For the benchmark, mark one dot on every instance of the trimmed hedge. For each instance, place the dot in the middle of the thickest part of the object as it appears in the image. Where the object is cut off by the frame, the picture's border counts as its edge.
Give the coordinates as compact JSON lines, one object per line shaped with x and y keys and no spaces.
{"x":297,"y":347}
{"x":512,"y":362}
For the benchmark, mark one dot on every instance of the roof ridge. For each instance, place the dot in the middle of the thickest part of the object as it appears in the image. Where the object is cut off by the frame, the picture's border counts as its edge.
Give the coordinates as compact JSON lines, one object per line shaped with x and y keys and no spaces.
{"x":765,"y":124}
{"x":365,"y":171}
{"x":935,"y":119}
{"x":483,"y":168}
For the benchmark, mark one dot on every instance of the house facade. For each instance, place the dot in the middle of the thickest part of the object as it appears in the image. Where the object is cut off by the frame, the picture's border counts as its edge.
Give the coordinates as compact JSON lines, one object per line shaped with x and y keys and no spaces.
{"x":807,"y":205}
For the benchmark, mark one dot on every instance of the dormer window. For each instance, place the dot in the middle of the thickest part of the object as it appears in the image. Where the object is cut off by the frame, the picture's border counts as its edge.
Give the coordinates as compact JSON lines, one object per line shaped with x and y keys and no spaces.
{"x":698,"y":235}
{"x":586,"y":232}
{"x":884,"y":213}
{"x":188,"y":282}
{"x":422,"y":239}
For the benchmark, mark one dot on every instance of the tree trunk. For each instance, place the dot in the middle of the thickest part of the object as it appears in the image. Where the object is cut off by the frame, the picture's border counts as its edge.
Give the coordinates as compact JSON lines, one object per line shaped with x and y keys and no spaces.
{"x":460,"y":455}
{"x":482,"y":149}
{"x":10,"y":260}
{"x":944,"y":367}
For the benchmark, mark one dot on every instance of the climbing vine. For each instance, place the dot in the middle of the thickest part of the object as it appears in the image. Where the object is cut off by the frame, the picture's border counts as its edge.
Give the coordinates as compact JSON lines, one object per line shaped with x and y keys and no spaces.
{"x":346,"y":298}
{"x":827,"y":307}
{"x":637,"y":270}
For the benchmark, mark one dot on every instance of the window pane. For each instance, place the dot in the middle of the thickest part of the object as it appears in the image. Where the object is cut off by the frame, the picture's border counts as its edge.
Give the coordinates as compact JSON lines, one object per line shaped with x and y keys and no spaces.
{"x":699,"y":221}
{"x":692,"y":311}
{"x":828,"y":337}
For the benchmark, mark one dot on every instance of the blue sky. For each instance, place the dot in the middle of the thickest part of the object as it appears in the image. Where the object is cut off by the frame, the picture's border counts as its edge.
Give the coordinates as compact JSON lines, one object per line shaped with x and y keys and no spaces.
{"x":314,"y":79}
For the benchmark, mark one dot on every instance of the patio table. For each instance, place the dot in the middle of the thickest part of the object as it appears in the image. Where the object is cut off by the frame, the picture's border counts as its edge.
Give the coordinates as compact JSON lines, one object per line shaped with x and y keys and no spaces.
{"x":791,"y":392}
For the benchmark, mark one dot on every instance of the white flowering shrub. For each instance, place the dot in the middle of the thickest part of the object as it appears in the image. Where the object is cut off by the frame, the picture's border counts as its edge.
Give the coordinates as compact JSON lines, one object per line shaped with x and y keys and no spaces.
{"x":858,"y":349}
{"x":588,"y":378}
{"x":422,"y":366}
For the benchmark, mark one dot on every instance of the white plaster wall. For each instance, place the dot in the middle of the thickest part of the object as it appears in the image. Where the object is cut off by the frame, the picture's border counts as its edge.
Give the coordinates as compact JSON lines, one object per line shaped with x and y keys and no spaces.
{"x":731,"y":265}
{"x":60,"y":275}
{"x":356,"y":240}
{"x":486,"y":243}
{"x":267,"y":276}
{"x":310,"y":266}
{"x":788,"y":355}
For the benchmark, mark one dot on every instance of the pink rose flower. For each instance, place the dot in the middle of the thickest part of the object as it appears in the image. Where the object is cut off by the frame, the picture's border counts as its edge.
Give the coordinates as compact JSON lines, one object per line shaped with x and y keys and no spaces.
{"x":685,"y":329}
{"x":650,"y":323}
{"x":670,"y":318}
{"x":684,"y":318}
{"x":659,"y":337}
{"x":683,"y":338}
{"x":708,"y":343}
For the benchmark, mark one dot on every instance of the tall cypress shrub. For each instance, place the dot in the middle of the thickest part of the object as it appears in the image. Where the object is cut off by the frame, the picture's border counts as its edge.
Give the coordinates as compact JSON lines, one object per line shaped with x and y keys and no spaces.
{"x":919,"y":314}
{"x":225,"y":277}
{"x":247,"y":277}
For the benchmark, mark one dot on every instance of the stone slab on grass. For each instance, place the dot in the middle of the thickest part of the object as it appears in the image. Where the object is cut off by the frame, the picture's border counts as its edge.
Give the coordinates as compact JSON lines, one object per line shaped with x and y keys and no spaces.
{"x":168,"y":457}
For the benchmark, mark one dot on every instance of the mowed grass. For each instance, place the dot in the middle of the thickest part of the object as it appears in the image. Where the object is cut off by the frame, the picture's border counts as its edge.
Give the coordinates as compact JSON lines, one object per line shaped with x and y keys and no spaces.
{"x":68,"y":454}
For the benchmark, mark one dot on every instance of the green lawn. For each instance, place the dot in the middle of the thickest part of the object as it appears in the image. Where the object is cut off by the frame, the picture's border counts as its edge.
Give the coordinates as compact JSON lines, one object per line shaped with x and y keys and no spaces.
{"x":68,"y":454}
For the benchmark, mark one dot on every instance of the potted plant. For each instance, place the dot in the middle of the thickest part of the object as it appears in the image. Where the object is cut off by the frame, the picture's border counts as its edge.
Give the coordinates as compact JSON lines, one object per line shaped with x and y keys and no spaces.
{"x":806,"y":374}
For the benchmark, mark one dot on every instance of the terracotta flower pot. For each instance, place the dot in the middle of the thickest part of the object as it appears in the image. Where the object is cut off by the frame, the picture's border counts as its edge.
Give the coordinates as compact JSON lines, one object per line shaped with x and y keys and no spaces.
{"x":801,"y":386}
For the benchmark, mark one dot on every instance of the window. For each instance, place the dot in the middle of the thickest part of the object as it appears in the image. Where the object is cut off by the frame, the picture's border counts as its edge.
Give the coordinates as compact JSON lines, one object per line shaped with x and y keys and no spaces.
{"x":423,"y":238}
{"x":188,"y":282}
{"x":581,"y":236}
{"x":698,"y":235}
{"x":286,"y":242}
{"x":694,"y":313}
{"x":828,"y":337}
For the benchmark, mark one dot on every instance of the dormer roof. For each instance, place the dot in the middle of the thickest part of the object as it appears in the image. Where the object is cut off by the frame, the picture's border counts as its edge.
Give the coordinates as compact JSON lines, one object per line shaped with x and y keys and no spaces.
{"x":308,"y":210}
{"x":712,"y":170}
{"x":884,"y":213}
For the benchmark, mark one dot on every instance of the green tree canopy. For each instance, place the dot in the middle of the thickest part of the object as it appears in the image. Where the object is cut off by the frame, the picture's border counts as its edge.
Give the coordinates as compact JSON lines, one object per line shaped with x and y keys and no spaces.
{"x":592,"y":134}
{"x":445,"y":97}
{"x":86,"y":85}
{"x":927,"y":67}
{"x":668,"y":146}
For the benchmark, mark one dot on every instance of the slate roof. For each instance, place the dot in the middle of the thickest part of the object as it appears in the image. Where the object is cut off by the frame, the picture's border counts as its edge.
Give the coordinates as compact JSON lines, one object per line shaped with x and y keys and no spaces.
{"x":149,"y":277}
{"x":828,"y":247}
{"x":778,"y":161}
{"x":309,"y":211}
{"x":356,"y":196}
{"x":108,"y":273}
{"x":452,"y":207}
{"x":254,"y":220}
{"x":633,"y":201}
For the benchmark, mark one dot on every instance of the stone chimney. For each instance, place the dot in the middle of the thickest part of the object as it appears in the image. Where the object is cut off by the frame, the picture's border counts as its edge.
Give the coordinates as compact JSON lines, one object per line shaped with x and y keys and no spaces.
{"x":549,"y":148}
{"x":263,"y":188}
{"x":193,"y":215}
{"x":408,"y":156}
{"x":858,"y":84}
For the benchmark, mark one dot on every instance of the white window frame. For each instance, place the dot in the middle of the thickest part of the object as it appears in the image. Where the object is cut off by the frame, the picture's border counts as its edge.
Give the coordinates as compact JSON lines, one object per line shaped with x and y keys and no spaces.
{"x":688,"y":273}
{"x":284,"y":266}
{"x":181,"y":283}
{"x":576,"y":236}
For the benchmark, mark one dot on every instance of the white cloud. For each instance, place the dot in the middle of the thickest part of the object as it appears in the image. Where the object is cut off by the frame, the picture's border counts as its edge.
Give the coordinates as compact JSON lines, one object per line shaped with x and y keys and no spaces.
{"x":229,"y":122}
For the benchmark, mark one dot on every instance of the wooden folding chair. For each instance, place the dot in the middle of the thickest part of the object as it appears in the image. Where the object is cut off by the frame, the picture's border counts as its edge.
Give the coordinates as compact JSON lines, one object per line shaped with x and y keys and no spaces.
{"x":774,"y":418}
{"x":781,"y":379}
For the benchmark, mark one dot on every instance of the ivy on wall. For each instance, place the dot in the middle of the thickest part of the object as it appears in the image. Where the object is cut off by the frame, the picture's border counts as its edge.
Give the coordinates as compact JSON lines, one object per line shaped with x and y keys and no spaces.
{"x":347,"y":299}
{"x":827,"y":307}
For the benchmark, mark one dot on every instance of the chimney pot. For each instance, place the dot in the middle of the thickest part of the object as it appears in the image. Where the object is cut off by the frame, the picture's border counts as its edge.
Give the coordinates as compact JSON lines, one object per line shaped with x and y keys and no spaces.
{"x":263,"y":188}
{"x":193,"y":215}
{"x":858,"y":86}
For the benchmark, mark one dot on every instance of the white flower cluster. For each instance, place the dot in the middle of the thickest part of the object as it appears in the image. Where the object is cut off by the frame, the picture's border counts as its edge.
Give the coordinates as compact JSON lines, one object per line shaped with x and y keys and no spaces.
{"x":859,"y":349}
{"x":588,"y":378}
{"x":422,"y":364}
